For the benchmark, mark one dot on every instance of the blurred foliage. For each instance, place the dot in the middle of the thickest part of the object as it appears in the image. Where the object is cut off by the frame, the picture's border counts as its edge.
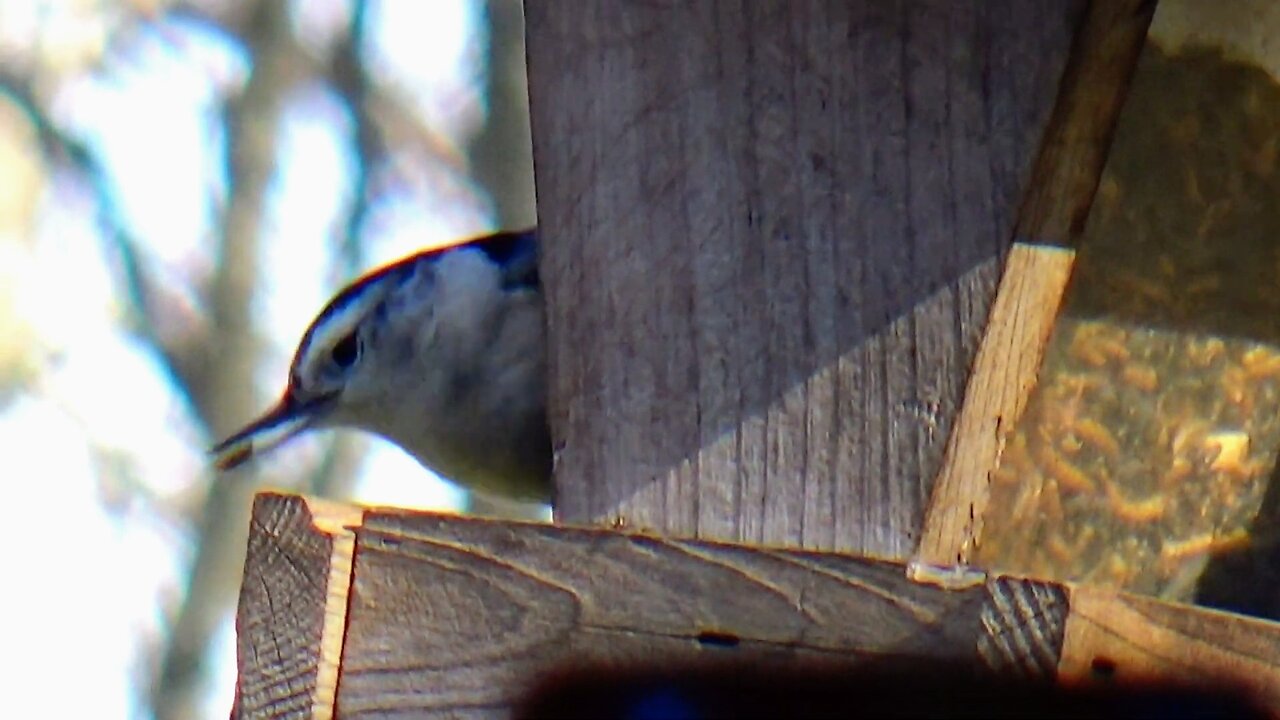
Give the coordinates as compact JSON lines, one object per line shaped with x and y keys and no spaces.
{"x":429,"y":136}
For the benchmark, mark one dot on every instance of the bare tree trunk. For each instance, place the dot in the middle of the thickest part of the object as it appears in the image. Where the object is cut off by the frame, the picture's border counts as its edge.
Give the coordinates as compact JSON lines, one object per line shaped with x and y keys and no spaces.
{"x":225,"y":395}
{"x":501,"y":153}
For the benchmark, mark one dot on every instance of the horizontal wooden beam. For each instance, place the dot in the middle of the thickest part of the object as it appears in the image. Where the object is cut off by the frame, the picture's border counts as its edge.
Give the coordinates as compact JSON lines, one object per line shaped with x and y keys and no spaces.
{"x":417,"y":613}
{"x":1138,"y":639}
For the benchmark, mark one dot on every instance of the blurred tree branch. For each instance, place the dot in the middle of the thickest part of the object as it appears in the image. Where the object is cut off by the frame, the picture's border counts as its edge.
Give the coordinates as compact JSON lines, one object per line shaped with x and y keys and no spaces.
{"x":211,"y":364}
{"x":224,"y":392}
{"x":501,"y":154}
{"x":352,"y":82}
{"x":336,"y":473}
{"x":213,"y":360}
{"x":179,"y":358}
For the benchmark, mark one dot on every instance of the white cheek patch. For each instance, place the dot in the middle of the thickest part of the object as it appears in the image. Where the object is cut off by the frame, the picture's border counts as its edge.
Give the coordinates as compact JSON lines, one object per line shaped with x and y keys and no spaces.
{"x":334,"y":328}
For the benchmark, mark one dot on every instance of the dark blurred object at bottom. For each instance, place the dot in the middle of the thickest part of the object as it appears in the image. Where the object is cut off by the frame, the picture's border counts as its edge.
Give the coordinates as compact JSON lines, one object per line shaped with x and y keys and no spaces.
{"x":894,"y":689}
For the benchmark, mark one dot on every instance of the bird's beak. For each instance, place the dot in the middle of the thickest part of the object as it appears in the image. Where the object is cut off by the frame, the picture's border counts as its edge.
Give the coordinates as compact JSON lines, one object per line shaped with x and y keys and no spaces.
{"x":288,"y":418}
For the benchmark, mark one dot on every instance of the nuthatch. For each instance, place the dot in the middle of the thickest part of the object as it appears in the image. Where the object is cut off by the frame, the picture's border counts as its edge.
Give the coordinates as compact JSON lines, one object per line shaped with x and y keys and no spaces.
{"x":442,"y":353}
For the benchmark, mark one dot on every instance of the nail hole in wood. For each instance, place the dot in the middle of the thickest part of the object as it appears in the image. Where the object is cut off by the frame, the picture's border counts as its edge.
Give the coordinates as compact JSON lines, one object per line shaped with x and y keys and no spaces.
{"x":718,"y":639}
{"x":1103,"y":668}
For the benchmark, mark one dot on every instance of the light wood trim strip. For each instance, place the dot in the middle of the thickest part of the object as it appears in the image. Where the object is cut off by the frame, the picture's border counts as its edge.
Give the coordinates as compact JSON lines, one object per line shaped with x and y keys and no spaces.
{"x":1004,"y":373}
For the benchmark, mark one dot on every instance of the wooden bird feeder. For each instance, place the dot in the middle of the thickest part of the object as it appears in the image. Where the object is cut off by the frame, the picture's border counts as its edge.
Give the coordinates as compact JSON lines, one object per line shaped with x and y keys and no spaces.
{"x":866,"y":342}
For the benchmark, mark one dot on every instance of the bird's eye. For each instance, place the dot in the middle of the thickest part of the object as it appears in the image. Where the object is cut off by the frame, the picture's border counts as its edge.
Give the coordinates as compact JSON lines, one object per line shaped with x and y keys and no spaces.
{"x":344,"y":354}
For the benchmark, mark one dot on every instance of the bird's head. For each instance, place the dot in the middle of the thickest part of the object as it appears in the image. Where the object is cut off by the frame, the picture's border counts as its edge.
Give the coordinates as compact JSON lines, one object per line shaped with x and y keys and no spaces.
{"x":441,"y":353}
{"x":339,"y":366}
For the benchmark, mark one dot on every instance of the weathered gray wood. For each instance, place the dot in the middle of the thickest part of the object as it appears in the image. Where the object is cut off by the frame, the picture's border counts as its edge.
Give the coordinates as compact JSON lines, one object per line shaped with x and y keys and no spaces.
{"x":447,"y":616}
{"x":476,"y":611}
{"x":773,"y":232}
{"x":281,"y":615}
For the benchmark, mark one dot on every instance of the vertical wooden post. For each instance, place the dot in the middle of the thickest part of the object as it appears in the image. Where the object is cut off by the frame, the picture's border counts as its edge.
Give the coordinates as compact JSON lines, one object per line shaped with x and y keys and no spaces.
{"x":773,"y":230}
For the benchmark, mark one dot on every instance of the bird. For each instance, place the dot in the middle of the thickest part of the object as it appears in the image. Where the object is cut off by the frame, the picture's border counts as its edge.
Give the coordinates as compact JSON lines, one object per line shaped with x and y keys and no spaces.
{"x":443,"y":354}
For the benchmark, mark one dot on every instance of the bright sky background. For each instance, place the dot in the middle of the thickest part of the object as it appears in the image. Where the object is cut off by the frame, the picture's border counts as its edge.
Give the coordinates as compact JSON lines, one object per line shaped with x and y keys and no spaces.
{"x":86,"y":586}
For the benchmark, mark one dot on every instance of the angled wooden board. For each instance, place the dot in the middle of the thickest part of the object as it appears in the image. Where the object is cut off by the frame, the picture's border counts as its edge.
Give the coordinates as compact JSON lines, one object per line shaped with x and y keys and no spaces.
{"x":1052,"y":215}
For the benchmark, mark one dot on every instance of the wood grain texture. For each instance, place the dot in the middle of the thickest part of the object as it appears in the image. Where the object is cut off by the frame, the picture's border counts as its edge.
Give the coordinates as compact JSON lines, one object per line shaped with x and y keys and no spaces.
{"x":1137,"y":639}
{"x":455,"y":616}
{"x":1022,"y":624}
{"x":1004,"y":373}
{"x":1057,"y":201}
{"x":286,"y":667}
{"x":773,"y":233}
{"x":338,"y":521}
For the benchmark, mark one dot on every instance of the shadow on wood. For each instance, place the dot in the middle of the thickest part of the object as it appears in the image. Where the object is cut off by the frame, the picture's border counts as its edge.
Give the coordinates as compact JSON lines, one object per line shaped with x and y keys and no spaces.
{"x":416,"y":613}
{"x":920,"y":688}
{"x":773,"y":232}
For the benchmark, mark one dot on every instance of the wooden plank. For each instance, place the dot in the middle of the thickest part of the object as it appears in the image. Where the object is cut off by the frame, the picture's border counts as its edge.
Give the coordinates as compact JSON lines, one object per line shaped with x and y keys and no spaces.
{"x":773,"y":233}
{"x":442,"y":615}
{"x":292,"y":612}
{"x":1117,"y":637}
{"x":452,"y":615}
{"x":1058,"y":199}
{"x":1004,"y":373}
